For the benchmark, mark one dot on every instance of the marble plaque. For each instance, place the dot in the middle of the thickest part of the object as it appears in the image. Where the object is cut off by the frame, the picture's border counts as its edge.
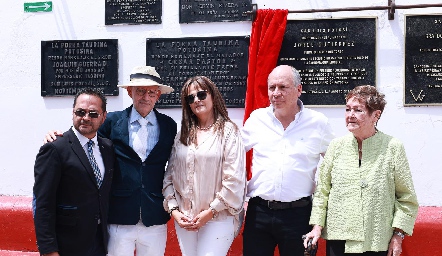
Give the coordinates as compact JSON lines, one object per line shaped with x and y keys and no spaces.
{"x":192,"y":11}
{"x":423,"y":60}
{"x":68,"y":66}
{"x":223,"y":59}
{"x":332,"y":55}
{"x":133,"y":12}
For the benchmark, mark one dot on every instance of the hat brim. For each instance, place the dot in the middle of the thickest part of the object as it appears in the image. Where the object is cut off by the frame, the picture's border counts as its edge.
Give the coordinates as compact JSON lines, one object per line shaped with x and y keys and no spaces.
{"x":165,"y":89}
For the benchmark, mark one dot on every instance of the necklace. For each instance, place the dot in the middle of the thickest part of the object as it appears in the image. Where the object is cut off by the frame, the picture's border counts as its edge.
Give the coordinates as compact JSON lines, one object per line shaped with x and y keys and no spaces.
{"x":205,"y":129}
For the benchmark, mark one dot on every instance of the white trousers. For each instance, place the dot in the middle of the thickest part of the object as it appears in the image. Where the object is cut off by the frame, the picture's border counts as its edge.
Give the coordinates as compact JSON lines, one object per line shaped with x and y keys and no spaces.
{"x":148,"y":241}
{"x":213,"y":239}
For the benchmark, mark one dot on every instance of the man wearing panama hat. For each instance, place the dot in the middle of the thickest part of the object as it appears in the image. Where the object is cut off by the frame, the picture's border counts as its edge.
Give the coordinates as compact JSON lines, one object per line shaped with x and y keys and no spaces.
{"x":136,"y":215}
{"x":143,"y":140}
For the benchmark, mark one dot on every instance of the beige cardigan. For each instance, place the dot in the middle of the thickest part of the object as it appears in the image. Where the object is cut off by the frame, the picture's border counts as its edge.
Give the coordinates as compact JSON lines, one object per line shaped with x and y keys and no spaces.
{"x":210,"y":174}
{"x":363,"y":205}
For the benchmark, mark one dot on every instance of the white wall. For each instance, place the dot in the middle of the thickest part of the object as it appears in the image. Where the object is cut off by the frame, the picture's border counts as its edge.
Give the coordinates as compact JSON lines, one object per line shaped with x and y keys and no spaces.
{"x":26,"y":116}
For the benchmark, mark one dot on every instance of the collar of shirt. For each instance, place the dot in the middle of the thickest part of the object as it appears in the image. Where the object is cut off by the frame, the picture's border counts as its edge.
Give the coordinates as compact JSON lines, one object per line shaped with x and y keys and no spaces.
{"x":134,"y":116}
{"x":95,"y":149}
{"x":153,"y":129}
{"x":83,"y":140}
{"x":271,"y":112}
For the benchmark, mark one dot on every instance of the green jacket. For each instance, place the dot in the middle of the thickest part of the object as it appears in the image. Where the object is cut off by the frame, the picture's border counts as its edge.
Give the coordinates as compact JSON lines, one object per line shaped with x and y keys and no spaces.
{"x":363,"y":205}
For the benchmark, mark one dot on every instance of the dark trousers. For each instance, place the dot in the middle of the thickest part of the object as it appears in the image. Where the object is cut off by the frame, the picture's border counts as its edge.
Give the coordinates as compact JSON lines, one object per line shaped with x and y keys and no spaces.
{"x":265,"y":228}
{"x":98,"y":248}
{"x":337,"y":248}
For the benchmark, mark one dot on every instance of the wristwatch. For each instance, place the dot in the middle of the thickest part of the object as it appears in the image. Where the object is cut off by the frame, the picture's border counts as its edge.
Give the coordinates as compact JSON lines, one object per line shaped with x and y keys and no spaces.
{"x":173,"y":209}
{"x":399,"y":233}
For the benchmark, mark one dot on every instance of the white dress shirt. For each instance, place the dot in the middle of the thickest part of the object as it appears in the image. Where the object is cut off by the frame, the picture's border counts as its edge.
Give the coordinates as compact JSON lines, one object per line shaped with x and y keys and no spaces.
{"x":97,"y":154}
{"x":285,"y":161}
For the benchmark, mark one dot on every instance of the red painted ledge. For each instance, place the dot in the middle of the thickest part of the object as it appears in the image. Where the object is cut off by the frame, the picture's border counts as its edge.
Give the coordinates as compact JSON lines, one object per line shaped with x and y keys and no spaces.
{"x":17,"y":236}
{"x":18,"y":253}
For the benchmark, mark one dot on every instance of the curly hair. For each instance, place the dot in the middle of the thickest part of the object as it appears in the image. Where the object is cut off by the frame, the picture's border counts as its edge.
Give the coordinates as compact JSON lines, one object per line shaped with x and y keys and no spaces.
{"x":373,"y":99}
{"x":190,"y":121}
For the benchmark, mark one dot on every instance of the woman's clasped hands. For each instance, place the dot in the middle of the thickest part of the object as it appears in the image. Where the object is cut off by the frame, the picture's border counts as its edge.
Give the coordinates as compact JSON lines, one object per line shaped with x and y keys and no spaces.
{"x":194,"y":224}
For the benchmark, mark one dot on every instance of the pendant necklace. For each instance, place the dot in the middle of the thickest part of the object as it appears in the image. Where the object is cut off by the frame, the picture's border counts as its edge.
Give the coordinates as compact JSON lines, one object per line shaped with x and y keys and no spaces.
{"x":205,"y":129}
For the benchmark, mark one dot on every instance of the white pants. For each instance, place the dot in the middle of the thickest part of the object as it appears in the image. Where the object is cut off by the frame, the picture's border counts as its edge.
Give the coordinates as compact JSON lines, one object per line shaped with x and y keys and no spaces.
{"x":213,"y":239}
{"x":148,"y":241}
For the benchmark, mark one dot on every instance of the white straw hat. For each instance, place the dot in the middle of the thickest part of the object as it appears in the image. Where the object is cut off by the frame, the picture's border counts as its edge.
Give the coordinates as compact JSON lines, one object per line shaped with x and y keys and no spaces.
{"x":147,"y":76}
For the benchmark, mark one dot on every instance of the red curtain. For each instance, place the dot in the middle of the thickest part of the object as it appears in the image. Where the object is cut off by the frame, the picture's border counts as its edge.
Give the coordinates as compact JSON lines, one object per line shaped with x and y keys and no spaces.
{"x":265,"y":42}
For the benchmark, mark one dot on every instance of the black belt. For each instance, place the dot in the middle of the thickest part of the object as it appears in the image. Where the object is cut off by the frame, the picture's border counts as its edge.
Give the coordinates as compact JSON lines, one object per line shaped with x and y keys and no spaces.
{"x":277,"y":205}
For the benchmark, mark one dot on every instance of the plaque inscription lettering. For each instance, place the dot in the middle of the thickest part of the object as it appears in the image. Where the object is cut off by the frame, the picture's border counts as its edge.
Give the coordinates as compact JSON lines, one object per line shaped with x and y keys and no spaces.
{"x":423,"y":60}
{"x":133,"y":12}
{"x":68,"y":66}
{"x":214,"y":10}
{"x":223,"y":59}
{"x":332,"y":55}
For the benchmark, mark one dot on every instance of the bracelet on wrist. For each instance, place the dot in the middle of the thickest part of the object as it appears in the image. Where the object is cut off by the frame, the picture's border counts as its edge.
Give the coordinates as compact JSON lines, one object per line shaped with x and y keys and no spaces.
{"x":399,"y":233}
{"x":214,"y":212}
{"x":173,"y":209}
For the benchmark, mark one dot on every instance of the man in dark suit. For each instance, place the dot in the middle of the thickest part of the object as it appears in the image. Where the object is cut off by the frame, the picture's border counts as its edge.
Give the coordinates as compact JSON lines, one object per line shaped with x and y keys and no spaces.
{"x":72,"y":183}
{"x":136,"y":215}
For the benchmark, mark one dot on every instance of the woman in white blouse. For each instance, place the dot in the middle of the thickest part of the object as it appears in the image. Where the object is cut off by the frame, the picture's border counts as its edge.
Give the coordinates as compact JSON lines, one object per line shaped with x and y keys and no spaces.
{"x":204,"y":185}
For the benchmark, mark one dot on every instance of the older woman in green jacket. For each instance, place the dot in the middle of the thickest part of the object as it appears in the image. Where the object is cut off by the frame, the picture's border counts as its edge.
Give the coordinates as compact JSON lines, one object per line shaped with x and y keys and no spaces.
{"x":365,"y":203}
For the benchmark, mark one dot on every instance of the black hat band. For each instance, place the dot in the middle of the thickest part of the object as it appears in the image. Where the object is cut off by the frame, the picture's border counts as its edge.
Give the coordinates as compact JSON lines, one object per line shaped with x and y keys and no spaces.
{"x":146,"y":76}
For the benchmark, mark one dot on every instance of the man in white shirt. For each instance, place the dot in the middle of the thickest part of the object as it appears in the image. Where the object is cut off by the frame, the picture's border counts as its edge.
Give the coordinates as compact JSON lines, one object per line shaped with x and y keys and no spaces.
{"x":287,"y":141}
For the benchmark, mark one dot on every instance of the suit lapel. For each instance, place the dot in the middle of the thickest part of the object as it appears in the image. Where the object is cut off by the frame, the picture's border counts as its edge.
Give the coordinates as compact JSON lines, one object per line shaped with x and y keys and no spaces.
{"x":122,"y":125}
{"x":79,"y":151}
{"x":105,"y":154}
{"x":160,"y":137}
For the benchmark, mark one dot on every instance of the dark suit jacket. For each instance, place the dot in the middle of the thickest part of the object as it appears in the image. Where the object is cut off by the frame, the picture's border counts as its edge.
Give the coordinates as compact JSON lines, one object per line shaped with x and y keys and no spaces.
{"x":138,"y":185}
{"x":67,"y":200}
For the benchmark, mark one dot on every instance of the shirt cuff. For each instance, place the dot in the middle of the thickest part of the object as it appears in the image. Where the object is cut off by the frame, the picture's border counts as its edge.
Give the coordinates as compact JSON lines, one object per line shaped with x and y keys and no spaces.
{"x":217,"y":205}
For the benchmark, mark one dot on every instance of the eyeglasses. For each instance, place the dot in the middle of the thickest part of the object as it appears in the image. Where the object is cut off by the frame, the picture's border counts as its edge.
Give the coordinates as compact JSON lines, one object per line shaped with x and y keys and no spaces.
{"x":82,"y":113}
{"x":202,"y":95}
{"x":142,"y":92}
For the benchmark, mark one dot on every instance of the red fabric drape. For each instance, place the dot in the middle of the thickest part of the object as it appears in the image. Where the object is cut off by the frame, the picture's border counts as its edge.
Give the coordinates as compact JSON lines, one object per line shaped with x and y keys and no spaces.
{"x":265,"y":42}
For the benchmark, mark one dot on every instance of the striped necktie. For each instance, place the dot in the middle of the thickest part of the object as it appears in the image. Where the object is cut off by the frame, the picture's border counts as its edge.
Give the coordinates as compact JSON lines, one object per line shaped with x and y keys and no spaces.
{"x":90,"y":156}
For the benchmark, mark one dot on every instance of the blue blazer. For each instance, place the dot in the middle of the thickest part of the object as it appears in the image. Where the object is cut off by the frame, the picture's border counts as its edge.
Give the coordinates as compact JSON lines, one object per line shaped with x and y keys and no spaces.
{"x":138,"y":185}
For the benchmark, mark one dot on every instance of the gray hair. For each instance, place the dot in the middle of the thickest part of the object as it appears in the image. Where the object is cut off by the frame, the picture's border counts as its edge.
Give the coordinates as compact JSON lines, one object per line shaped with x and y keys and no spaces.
{"x":296,"y":76}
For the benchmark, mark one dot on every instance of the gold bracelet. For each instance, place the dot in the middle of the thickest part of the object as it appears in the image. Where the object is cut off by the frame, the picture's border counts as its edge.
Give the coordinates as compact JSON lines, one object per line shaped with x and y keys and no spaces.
{"x":214,"y":212}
